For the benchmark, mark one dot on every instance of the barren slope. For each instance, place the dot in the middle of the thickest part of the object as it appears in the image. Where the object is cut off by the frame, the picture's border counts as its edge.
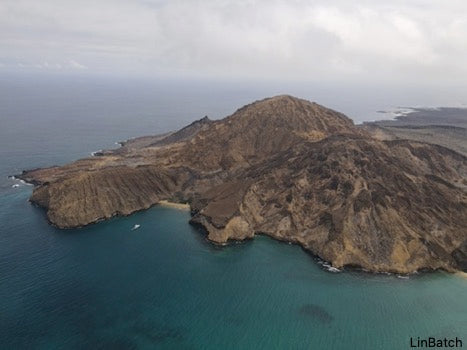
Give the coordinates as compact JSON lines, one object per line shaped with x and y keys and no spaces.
{"x":288,"y":168}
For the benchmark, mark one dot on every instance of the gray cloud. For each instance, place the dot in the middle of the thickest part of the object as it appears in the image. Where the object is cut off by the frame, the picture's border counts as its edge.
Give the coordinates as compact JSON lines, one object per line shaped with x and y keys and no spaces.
{"x":304,"y":40}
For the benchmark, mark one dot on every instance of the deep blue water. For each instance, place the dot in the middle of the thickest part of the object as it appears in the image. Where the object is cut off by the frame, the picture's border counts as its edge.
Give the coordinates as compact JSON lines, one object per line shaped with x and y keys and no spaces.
{"x":163,"y":285}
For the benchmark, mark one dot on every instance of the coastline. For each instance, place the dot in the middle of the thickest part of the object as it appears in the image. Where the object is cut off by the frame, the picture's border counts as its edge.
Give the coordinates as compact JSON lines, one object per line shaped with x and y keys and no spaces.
{"x":233,"y":222}
{"x":180,"y":206}
{"x":325,"y":265}
{"x":20,"y":180}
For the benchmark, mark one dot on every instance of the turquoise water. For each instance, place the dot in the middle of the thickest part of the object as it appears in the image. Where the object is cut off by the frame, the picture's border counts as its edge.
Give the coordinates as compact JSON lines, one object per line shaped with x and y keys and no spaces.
{"x":164,"y":286}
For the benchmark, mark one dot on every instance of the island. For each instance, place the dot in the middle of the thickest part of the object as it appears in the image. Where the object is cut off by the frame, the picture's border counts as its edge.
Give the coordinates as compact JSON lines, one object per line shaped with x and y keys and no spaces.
{"x":287,"y":168}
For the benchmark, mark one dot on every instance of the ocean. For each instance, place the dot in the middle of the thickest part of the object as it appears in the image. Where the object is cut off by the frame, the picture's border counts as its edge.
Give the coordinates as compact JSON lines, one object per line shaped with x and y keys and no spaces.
{"x":164,"y":286}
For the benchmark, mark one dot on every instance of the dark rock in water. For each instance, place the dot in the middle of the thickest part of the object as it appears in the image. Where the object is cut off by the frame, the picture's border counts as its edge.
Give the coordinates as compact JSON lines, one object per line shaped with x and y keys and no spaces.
{"x":287,"y":168}
{"x":316,"y":312}
{"x":460,"y":256}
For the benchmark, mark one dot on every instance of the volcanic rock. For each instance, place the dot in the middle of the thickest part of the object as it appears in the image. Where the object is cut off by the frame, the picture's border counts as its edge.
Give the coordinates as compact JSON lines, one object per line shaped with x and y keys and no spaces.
{"x":287,"y":168}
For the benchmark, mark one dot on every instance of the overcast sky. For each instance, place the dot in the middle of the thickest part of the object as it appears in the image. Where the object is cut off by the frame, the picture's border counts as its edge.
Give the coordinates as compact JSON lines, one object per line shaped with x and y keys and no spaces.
{"x":394,"y":41}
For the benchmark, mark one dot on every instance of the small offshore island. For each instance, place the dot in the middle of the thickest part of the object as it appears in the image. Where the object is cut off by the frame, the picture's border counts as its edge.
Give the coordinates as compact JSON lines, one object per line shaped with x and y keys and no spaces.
{"x":290,"y":169}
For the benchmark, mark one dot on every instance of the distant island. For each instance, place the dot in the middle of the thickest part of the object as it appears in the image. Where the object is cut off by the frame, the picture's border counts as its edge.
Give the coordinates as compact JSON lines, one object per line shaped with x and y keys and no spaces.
{"x":383,"y":197}
{"x":442,"y":126}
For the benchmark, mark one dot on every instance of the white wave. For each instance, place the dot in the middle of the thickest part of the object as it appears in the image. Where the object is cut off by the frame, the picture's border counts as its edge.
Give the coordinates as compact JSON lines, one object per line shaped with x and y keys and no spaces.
{"x":333,"y":269}
{"x":328,"y":266}
{"x":401,"y":112}
{"x":95,"y":152}
{"x":25,"y":183}
{"x":18,"y":182}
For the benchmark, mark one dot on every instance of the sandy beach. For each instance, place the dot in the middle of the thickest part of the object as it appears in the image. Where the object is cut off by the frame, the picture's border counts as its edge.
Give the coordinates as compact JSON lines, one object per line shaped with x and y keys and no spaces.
{"x":180,"y":206}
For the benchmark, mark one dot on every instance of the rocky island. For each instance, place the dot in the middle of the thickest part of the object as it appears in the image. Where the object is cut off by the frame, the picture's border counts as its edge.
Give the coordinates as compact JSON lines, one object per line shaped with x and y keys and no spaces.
{"x":287,"y":168}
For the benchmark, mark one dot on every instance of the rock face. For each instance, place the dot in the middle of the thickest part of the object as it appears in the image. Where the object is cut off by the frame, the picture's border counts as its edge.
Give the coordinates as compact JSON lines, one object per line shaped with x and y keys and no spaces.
{"x":290,"y":169}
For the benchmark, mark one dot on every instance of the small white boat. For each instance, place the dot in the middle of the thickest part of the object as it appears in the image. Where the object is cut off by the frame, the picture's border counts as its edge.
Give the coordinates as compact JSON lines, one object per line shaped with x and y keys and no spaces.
{"x":15,"y":186}
{"x":136,"y":227}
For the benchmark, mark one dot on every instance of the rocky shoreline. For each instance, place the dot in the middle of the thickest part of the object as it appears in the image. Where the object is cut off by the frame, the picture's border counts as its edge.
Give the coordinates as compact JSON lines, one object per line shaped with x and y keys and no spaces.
{"x":289,"y":169}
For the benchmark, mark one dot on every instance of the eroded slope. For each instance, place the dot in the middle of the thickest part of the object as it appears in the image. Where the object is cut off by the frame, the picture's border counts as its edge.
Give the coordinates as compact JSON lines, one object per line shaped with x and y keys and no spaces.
{"x":288,"y":168}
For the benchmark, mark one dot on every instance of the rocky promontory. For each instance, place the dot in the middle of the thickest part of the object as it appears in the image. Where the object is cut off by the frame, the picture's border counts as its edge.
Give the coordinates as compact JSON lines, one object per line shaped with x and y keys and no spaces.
{"x":287,"y":168}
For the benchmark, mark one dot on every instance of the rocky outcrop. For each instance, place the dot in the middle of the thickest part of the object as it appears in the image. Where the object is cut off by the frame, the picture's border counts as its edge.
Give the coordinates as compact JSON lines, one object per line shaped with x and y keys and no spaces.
{"x":292,"y":170}
{"x":383,"y":206}
{"x":90,"y":196}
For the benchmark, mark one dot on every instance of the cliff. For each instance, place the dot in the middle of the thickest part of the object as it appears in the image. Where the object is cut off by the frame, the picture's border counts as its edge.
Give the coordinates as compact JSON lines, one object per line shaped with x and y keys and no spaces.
{"x":287,"y":168}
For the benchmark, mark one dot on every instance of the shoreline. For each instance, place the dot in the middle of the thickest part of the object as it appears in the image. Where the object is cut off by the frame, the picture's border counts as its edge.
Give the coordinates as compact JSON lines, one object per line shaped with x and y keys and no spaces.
{"x":180,"y":206}
{"x":20,"y":180}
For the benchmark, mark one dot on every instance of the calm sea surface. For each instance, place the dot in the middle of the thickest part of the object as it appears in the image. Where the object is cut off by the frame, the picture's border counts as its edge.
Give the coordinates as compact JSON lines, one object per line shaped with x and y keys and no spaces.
{"x":163,"y":285}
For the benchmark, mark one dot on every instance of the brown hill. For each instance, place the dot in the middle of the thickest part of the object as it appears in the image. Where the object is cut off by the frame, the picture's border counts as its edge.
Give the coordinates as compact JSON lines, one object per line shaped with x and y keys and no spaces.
{"x":352,"y":200}
{"x":288,"y":168}
{"x":261,"y":129}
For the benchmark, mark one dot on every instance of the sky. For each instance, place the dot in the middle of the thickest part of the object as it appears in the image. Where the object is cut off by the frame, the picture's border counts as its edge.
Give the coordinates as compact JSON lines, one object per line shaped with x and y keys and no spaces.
{"x":315,"y":40}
